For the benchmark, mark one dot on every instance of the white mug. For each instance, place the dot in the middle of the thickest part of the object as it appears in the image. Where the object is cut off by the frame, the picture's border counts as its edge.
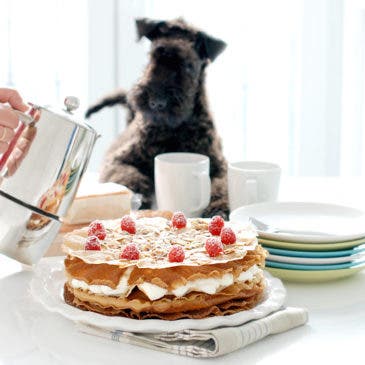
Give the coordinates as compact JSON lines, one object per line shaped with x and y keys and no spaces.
{"x":182,"y":182}
{"x":252,"y":182}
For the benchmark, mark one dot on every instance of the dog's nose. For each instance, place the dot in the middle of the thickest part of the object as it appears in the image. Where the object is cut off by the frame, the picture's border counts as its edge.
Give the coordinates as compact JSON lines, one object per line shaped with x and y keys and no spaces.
{"x":157,"y":104}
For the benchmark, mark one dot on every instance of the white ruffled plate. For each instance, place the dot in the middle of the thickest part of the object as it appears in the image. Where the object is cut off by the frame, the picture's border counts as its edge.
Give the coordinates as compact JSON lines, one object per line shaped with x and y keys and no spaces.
{"x":47,"y":288}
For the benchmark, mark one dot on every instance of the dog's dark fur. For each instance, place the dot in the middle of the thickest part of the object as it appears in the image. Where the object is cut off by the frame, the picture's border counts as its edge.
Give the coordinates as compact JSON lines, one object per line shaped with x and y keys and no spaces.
{"x":168,"y":112}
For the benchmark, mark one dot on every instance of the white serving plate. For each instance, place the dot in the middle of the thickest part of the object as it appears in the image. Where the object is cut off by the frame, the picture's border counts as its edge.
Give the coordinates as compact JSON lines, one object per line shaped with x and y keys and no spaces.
{"x":336,"y":223}
{"x":47,"y":288}
{"x":315,"y":261}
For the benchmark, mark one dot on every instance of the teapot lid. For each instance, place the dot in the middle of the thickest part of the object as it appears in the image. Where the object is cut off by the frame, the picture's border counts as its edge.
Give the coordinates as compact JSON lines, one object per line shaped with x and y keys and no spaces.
{"x":68,"y":113}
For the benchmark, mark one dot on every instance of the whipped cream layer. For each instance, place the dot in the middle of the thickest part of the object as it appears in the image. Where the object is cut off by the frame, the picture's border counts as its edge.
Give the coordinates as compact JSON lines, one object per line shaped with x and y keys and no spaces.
{"x":154,"y":292}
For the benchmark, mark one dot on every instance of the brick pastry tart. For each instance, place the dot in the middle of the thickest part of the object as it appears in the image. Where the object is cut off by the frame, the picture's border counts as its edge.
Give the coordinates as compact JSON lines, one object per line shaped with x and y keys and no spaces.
{"x":153,"y":267}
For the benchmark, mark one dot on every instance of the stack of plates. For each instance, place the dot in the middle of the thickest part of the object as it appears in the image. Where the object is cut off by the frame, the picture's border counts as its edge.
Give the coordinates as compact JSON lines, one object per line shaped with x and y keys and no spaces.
{"x":308,"y":241}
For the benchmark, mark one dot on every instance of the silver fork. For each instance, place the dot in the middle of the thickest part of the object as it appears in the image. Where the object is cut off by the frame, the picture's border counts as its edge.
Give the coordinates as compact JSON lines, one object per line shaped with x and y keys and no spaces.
{"x":263,"y":227}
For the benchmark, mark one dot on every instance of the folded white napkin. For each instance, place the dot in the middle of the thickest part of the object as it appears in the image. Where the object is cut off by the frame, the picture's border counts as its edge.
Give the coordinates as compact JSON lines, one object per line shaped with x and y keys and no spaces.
{"x":209,"y":343}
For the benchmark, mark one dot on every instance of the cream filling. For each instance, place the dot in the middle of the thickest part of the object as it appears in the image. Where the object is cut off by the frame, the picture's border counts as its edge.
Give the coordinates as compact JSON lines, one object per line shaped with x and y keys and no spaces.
{"x":122,"y":289}
{"x":154,"y":292}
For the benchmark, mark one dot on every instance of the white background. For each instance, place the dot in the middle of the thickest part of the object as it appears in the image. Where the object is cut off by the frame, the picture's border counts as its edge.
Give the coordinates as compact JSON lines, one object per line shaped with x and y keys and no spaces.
{"x":288,"y":89}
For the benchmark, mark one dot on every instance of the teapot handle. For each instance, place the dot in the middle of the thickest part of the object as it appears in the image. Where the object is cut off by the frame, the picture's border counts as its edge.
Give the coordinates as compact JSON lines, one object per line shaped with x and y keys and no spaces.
{"x":25,"y":119}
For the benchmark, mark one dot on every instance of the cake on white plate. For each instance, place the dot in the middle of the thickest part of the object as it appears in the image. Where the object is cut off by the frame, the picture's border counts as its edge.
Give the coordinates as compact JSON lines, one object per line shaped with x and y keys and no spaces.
{"x":160,"y":268}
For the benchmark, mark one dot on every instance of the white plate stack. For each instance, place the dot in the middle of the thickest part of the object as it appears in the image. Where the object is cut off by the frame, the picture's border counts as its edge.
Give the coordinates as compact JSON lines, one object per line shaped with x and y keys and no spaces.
{"x":308,"y":241}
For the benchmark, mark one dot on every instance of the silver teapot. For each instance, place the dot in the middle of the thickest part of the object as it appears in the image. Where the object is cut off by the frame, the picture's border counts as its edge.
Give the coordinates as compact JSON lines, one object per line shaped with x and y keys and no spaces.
{"x":37,"y":188}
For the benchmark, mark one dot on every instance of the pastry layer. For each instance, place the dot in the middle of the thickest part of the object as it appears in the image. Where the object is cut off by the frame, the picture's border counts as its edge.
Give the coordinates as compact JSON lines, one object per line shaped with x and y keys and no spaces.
{"x":173,"y":280}
{"x":232,"y":299}
{"x":153,"y":291}
{"x":154,"y":238}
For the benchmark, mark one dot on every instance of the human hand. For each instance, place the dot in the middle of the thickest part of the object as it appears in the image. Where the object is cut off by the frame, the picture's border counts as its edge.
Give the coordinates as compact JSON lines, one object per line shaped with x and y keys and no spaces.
{"x":8,"y":118}
{"x":8,"y":122}
{"x":20,"y":149}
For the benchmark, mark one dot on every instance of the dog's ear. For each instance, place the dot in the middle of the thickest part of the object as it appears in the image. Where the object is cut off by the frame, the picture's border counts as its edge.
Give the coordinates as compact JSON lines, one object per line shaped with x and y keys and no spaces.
{"x":209,"y":47}
{"x":150,"y":29}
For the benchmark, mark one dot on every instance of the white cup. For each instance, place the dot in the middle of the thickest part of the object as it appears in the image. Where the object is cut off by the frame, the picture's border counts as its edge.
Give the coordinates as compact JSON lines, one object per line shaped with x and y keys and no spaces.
{"x":182,"y":182}
{"x":252,"y":182}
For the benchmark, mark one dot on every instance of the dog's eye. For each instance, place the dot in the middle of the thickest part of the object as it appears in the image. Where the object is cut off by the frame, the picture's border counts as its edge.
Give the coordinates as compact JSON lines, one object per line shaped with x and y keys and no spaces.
{"x":189,"y":67}
{"x":160,"y":51}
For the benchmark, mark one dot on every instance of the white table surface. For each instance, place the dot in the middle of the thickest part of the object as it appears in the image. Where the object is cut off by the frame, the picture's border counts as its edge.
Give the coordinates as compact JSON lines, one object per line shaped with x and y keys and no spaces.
{"x":335,"y":333}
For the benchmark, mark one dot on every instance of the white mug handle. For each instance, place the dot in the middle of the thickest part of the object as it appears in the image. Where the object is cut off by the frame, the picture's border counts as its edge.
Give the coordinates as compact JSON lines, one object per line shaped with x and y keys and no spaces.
{"x":204,"y":190}
{"x":252,"y":193}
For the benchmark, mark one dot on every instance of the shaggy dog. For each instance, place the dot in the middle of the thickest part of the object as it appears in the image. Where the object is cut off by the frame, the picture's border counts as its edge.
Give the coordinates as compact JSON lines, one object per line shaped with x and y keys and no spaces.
{"x":168,"y":112}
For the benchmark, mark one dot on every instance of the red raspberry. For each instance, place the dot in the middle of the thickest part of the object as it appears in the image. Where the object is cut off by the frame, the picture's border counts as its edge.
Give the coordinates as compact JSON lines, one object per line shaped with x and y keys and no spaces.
{"x":176,"y":254}
{"x":228,"y":237}
{"x":92,"y":243}
{"x":213,"y":246}
{"x":178,"y":220}
{"x":128,"y":224}
{"x":130,"y":252}
{"x":97,"y":229}
{"x":216,"y":225}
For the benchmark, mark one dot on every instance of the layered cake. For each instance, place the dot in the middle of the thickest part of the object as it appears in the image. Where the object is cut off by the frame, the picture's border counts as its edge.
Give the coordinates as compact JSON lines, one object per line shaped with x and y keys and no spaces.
{"x":153,"y":267}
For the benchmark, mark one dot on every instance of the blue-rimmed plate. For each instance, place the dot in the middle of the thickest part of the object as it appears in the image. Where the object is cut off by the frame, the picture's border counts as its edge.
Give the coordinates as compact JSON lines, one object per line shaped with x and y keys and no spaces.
{"x":288,"y":266}
{"x":321,"y":254}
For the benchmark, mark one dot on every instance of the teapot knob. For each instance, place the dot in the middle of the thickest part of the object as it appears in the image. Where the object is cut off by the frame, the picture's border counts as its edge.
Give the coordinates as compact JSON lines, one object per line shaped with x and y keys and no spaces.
{"x":71,"y":103}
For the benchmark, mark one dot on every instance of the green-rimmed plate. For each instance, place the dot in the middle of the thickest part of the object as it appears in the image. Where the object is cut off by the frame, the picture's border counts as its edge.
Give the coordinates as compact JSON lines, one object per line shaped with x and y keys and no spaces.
{"x":312,"y":246}
{"x":306,"y":276}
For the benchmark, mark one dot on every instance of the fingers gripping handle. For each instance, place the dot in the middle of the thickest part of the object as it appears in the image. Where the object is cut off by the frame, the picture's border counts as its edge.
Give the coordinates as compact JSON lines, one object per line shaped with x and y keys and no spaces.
{"x":25,"y":119}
